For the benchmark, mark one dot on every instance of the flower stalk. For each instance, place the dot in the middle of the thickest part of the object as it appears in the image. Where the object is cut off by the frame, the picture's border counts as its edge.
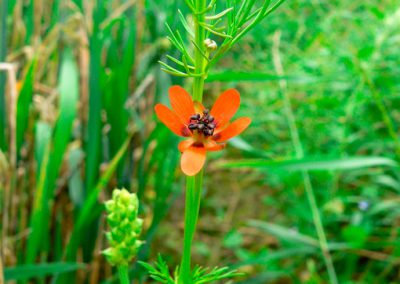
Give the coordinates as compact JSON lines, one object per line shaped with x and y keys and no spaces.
{"x":200,"y":51}
{"x":205,"y":130}
{"x":123,"y":274}
{"x":194,"y":183}
{"x":192,"y":207}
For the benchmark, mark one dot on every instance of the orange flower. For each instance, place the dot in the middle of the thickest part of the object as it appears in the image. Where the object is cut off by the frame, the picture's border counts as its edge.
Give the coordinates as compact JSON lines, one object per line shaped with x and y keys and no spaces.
{"x":206,"y":130}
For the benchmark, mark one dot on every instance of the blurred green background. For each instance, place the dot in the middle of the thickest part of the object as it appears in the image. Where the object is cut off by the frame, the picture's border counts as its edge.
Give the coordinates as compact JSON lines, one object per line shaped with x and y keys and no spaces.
{"x":320,"y":80}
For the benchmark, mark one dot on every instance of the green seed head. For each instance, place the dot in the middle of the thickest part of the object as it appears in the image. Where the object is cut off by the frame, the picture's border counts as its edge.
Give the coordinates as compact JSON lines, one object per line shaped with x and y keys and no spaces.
{"x":125,"y":227}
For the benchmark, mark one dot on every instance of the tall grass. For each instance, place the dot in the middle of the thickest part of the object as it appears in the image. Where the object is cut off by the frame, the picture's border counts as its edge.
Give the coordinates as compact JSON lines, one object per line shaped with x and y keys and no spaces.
{"x":88,"y":78}
{"x":3,"y":53}
{"x":52,"y":157}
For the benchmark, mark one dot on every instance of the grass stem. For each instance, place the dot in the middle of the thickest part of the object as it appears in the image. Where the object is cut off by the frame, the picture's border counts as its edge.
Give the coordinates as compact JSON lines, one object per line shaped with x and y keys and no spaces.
{"x":123,"y":274}
{"x":378,"y":100}
{"x":294,"y":133}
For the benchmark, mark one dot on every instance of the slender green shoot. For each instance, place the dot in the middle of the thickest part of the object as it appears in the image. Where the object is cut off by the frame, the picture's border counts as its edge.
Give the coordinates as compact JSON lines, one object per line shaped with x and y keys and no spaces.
{"x":294,"y":134}
{"x":192,"y":206}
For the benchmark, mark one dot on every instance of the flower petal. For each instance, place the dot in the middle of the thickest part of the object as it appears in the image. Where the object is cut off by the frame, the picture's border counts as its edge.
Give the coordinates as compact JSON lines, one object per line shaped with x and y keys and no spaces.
{"x":225,"y":107}
{"x":192,"y":160}
{"x":233,"y":129}
{"x":183,"y":145}
{"x":171,"y":120}
{"x":212,"y":146}
{"x":198,"y":107}
{"x":181,"y":103}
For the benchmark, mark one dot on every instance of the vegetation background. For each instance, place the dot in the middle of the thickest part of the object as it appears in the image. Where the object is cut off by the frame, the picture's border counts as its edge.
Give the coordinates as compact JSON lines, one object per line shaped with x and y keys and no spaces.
{"x":321,"y":81}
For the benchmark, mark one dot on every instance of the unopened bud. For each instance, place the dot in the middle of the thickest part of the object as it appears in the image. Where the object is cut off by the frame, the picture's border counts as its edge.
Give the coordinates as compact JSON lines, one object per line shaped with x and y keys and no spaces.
{"x":210,"y":44}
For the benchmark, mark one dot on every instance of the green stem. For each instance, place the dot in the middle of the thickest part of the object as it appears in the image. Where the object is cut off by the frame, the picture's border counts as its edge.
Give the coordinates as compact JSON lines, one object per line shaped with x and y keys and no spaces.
{"x":192,"y":207}
{"x":194,"y":184}
{"x":323,"y":243}
{"x":200,"y":36}
{"x":123,"y":274}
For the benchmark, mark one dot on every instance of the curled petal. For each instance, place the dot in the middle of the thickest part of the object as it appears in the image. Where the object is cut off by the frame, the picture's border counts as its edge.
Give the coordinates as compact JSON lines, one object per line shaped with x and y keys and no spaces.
{"x":171,"y":120}
{"x":233,"y":129}
{"x":225,"y":107}
{"x":192,"y":160}
{"x":183,"y":145}
{"x":181,"y":103}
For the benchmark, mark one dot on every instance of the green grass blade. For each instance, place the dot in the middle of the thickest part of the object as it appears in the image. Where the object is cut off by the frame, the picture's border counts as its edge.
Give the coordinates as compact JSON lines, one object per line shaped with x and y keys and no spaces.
{"x":29,"y":21}
{"x":93,"y":137}
{"x":246,"y":76}
{"x":75,"y":182}
{"x":315,"y":164}
{"x":165,"y":161}
{"x":25,"y":272}
{"x":3,"y":53}
{"x":69,"y":90}
{"x":117,"y":91}
{"x":293,"y":236}
{"x":24,"y":103}
{"x":86,"y":214}
{"x":89,"y":212}
{"x":43,"y":131}
{"x":285,"y":233}
{"x":300,"y":251}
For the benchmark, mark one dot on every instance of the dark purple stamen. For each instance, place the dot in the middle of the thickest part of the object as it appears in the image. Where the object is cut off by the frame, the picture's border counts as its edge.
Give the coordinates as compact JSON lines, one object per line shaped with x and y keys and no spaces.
{"x":202,"y":123}
{"x":195,"y":117}
{"x":192,"y":126}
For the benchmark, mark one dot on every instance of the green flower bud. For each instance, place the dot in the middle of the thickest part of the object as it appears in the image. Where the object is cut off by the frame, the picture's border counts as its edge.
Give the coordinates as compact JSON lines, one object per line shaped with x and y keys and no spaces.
{"x":109,"y":206}
{"x":125,"y":227}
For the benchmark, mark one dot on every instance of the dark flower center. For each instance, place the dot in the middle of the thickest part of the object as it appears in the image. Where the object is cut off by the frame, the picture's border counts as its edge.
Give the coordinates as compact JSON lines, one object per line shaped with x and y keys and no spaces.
{"x":202,"y":123}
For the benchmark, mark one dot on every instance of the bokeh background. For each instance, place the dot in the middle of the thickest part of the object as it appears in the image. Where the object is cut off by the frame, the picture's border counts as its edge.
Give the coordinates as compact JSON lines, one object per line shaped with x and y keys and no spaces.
{"x":320,"y":80}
